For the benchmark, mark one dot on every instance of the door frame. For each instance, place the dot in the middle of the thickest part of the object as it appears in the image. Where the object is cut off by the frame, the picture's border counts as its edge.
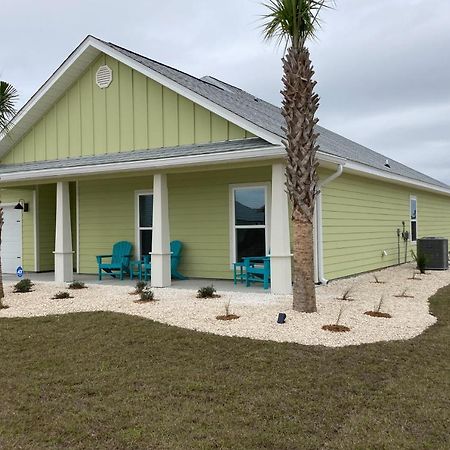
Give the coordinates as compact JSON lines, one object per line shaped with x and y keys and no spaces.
{"x":12,"y":205}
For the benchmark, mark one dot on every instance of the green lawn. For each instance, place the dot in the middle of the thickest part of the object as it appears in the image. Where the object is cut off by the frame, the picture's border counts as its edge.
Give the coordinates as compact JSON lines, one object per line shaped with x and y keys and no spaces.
{"x":104,"y":380}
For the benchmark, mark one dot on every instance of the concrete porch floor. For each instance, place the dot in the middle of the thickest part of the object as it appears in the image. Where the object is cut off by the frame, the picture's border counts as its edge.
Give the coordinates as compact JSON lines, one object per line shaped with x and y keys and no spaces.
{"x":191,"y":283}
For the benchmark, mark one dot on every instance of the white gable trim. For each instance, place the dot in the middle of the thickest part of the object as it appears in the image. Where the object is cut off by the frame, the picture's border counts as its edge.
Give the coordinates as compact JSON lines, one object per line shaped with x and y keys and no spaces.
{"x":74,"y":66}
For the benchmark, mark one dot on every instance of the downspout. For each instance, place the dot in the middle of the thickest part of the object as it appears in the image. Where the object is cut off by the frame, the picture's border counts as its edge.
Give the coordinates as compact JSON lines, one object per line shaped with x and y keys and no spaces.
{"x":319,"y":229}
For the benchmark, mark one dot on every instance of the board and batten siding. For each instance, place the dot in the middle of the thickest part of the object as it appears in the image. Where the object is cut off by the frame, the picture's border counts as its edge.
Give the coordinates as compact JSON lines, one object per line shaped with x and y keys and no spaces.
{"x":28,"y":248}
{"x":133,"y":113}
{"x":360,"y":219}
{"x":199,"y":214}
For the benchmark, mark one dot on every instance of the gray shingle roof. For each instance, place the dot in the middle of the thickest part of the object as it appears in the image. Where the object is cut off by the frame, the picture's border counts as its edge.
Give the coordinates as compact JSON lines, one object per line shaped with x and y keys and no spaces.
{"x":268,"y":117}
{"x":139,"y":155}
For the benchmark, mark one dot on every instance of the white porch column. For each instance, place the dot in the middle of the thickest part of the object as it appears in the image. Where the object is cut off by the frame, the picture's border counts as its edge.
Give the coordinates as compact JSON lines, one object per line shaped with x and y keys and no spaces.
{"x":280,"y":247}
{"x":161,"y":276}
{"x":63,"y":235}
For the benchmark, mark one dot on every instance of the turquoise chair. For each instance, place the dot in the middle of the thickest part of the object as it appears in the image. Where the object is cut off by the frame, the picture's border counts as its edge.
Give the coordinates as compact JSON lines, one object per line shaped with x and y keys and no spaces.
{"x":120,"y":260}
{"x":175,"y":250}
{"x":257,"y":269}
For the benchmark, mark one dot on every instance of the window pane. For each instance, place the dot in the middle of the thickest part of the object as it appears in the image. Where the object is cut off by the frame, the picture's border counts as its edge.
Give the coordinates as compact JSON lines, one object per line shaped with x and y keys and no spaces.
{"x":145,"y":210}
{"x":146,"y":242}
{"x":413,"y":209}
{"x":249,"y":206}
{"x":414,"y":231}
{"x":250,"y":242}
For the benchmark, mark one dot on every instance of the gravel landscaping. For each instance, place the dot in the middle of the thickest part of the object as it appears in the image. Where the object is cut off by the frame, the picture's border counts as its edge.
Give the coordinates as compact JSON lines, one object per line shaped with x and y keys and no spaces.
{"x":258,"y":311}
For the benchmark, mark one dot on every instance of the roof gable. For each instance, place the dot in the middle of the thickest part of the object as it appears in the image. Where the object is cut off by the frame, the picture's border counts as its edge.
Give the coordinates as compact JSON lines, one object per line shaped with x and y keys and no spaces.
{"x":132,"y":113}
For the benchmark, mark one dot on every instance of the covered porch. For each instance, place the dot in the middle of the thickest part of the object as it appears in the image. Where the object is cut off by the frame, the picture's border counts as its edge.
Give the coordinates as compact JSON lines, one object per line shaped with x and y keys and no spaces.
{"x":220,"y":216}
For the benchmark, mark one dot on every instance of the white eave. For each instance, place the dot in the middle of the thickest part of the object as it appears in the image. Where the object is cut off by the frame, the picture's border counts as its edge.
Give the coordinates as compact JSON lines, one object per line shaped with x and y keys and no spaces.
{"x":249,"y":155}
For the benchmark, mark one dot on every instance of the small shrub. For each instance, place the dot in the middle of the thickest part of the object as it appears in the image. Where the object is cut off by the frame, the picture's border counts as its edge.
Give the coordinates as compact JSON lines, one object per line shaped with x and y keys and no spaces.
{"x":140,"y":287}
{"x":146,"y":295}
{"x":207,"y":292}
{"x":77,"y":285}
{"x":347,"y":295}
{"x":23,"y":286}
{"x":421,"y":261}
{"x":2,"y":305}
{"x":61,"y":295}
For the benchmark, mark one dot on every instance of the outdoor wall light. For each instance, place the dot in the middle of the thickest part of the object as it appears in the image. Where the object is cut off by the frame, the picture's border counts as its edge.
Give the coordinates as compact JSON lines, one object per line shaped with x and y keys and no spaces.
{"x":22,"y":205}
{"x":281,"y":318}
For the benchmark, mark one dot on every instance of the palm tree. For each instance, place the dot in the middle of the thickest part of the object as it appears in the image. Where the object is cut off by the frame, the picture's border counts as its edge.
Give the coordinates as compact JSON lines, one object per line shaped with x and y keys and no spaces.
{"x":295,"y":22}
{"x":8,"y":97}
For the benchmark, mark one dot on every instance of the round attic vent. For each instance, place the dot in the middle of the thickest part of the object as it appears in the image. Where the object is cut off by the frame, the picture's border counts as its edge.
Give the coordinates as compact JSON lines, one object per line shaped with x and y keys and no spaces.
{"x":103,"y":77}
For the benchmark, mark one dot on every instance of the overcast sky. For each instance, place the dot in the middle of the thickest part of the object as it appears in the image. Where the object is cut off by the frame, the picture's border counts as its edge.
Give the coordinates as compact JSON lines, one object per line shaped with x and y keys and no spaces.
{"x":383,"y":67}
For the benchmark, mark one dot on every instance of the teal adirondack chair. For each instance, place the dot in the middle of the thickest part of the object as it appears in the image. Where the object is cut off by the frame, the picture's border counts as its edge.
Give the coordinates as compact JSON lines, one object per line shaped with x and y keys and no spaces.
{"x":175,"y":250}
{"x":120,"y":260}
{"x":257,"y":270}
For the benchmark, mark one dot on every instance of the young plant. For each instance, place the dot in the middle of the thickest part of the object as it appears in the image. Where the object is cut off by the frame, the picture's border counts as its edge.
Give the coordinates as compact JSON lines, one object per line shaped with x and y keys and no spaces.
{"x":404,"y":294}
{"x":23,"y":286}
{"x":336,"y":327}
{"x":414,"y":276}
{"x":347,"y":294}
{"x":77,"y":285}
{"x":227,"y":315}
{"x":421,"y":261}
{"x":377,"y":280}
{"x":61,"y":295}
{"x":207,"y":292}
{"x":377,"y":312}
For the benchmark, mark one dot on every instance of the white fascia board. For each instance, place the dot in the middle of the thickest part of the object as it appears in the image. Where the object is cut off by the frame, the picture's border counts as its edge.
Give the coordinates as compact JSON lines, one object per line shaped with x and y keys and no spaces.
{"x":154,"y":164}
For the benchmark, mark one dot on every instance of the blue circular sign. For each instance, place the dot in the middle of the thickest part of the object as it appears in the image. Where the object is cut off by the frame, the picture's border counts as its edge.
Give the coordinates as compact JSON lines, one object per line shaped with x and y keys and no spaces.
{"x":19,"y":272}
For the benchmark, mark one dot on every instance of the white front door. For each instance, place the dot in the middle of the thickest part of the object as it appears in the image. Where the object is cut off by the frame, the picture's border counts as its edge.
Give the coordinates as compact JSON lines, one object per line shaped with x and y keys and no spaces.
{"x":11,"y":247}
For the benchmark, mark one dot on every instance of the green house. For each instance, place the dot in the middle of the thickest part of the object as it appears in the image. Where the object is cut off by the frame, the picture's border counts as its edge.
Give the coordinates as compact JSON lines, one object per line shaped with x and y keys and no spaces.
{"x":115,"y":146}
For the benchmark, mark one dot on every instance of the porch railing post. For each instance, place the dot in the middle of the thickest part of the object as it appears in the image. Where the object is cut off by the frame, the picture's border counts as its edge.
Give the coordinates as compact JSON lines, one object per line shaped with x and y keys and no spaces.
{"x":161,"y":274}
{"x":63,"y":235}
{"x":280,"y":246}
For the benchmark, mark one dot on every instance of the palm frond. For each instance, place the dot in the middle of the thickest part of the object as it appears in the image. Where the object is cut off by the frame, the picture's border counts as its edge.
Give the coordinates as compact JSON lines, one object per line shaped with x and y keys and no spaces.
{"x":8,"y":98}
{"x":293,"y":21}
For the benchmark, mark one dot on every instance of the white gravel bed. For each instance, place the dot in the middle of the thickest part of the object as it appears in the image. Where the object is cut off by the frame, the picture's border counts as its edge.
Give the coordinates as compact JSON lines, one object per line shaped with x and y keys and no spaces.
{"x":258,"y":311}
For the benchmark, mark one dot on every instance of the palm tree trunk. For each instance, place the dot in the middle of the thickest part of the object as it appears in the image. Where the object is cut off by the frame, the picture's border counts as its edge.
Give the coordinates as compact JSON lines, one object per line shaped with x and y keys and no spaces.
{"x":2,"y":292}
{"x":304,"y":287}
{"x":300,"y":104}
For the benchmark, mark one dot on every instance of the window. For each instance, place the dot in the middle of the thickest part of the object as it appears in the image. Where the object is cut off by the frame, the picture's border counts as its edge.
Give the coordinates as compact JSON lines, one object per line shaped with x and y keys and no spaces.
{"x":413,"y":214}
{"x":249,"y":221}
{"x":144,"y":223}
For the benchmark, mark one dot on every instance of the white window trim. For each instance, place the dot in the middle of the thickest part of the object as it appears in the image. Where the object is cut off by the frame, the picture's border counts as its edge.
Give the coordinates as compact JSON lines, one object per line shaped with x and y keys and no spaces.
{"x":413,"y":197}
{"x":232,"y":224}
{"x":137,"y":228}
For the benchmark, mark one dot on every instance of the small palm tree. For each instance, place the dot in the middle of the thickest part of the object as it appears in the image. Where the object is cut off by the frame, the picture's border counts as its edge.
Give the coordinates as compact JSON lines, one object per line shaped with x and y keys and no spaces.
{"x":8,"y":97}
{"x":295,"y":22}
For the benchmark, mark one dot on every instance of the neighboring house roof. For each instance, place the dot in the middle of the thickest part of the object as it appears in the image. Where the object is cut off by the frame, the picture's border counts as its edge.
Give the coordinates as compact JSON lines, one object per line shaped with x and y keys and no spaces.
{"x":265,"y":119}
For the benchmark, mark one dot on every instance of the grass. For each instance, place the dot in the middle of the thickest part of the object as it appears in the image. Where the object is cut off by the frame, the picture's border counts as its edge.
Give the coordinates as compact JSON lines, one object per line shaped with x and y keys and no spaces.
{"x":105,"y":380}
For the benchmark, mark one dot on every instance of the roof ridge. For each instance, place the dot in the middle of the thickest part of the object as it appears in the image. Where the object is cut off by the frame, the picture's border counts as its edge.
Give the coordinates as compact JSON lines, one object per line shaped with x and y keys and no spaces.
{"x":158,"y":62}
